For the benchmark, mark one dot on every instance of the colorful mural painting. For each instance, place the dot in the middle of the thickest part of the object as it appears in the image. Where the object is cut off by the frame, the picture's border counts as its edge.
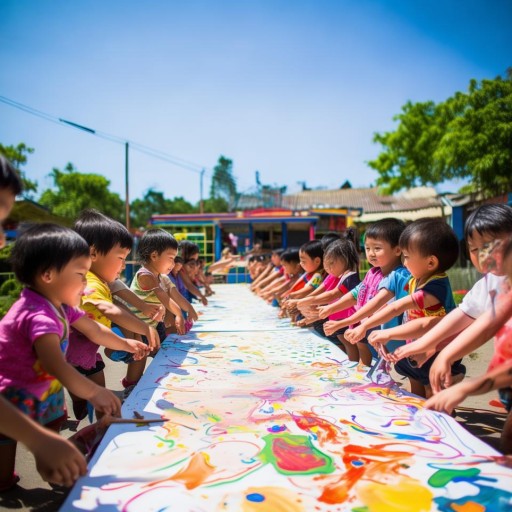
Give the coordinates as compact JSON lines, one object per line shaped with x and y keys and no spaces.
{"x":279,"y":420}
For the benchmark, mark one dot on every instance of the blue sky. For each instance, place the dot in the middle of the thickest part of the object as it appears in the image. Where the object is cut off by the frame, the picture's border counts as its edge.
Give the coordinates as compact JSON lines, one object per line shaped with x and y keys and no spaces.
{"x":294,"y":89}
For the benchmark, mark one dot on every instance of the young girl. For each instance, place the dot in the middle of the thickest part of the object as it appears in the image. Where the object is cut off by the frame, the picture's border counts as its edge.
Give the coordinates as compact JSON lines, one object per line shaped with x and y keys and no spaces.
{"x":190,"y":251}
{"x":341,"y":261}
{"x":51,"y":261}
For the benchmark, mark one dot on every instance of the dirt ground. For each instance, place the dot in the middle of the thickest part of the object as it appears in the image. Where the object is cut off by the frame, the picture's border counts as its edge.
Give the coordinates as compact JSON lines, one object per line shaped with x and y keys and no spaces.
{"x":33,"y":494}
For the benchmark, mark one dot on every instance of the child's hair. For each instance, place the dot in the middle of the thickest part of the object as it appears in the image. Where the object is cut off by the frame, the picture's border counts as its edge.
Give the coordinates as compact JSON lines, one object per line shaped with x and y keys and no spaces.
{"x":313,"y":249}
{"x":388,"y":230}
{"x":278,"y":252}
{"x":291,"y":255}
{"x":102,"y":232}
{"x":42,"y":247}
{"x":188,"y":249}
{"x":178,"y":260}
{"x":491,"y":219}
{"x":155,"y":239}
{"x":432,"y":237}
{"x":9,"y":177}
{"x":328,"y":239}
{"x":344,"y":250}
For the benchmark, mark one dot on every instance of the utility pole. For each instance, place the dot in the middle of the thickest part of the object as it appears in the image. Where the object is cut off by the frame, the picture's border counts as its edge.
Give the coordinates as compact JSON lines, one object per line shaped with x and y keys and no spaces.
{"x":201,"y":204}
{"x":127,"y":187}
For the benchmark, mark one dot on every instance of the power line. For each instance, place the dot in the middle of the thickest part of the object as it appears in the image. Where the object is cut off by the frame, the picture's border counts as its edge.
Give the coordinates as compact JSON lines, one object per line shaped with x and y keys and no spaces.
{"x":141,"y":148}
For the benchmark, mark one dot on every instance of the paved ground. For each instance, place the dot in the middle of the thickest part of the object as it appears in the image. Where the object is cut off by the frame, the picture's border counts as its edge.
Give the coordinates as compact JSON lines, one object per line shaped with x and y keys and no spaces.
{"x":33,"y":494}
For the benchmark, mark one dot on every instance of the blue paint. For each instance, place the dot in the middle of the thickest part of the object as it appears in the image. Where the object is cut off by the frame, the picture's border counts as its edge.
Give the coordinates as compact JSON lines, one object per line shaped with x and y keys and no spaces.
{"x":256,"y":497}
{"x":241,"y":372}
{"x":276,"y":428}
{"x":357,"y":463}
{"x":237,"y":360}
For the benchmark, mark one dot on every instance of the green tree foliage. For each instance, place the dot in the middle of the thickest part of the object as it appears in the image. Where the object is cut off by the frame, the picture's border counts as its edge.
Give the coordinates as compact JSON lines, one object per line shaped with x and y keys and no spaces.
{"x":75,"y":191}
{"x":223,"y":185}
{"x":467,"y":136}
{"x":17,"y":155}
{"x":153,"y":203}
{"x":215,"y":205}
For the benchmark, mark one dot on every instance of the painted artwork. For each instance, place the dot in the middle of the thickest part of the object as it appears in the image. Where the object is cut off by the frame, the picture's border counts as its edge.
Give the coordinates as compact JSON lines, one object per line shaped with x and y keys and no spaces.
{"x":281,"y":421}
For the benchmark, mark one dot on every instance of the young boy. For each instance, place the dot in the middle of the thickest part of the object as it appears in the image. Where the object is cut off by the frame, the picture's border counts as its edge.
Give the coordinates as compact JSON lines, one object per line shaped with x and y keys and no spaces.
{"x":383,"y":253}
{"x":110,"y":244}
{"x":429,"y":295}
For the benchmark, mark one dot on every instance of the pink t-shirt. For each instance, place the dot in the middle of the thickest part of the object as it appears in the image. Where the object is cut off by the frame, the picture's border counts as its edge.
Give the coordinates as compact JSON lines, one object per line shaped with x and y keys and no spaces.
{"x":29,"y":318}
{"x":345,"y":283}
{"x":503,"y":339}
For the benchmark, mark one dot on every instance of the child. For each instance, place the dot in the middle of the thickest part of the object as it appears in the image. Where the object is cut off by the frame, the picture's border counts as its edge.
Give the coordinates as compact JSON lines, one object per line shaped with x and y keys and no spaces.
{"x":190,"y":252}
{"x":341,"y":261}
{"x":51,"y":261}
{"x":429,"y":295}
{"x":10,"y":187}
{"x":290,"y":261}
{"x":110,"y":243}
{"x":383,"y":253}
{"x":156,"y":252}
{"x":272,"y":272}
{"x":488,"y":223}
{"x":499,"y":373}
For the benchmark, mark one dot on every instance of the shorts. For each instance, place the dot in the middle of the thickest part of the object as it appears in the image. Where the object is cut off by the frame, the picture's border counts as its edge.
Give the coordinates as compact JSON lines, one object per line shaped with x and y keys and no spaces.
{"x":98,"y":367}
{"x":50,"y":412}
{"x":405,"y":368}
{"x":505,"y":395}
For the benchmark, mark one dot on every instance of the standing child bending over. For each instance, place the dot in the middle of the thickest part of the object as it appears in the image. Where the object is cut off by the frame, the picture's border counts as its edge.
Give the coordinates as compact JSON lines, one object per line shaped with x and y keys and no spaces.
{"x":383,"y":252}
{"x":51,"y":261}
{"x":430,"y":298}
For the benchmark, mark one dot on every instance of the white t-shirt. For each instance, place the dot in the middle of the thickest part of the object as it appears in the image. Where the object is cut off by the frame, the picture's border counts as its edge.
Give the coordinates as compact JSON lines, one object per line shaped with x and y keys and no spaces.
{"x":479,"y":299}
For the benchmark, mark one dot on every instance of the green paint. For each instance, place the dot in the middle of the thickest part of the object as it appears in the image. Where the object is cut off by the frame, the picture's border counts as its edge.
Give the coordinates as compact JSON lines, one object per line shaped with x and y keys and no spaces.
{"x":444,"y":476}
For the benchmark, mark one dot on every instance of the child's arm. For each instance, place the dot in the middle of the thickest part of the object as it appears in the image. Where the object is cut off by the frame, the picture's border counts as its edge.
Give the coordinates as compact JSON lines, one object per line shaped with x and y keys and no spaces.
{"x":153,"y":311}
{"x":189,"y":285}
{"x":171,"y":306}
{"x":57,"y":460}
{"x":49,"y":353}
{"x":382,"y":297}
{"x":102,"y":335}
{"x":478,"y":333}
{"x":453,"y":323}
{"x":447,"y":399}
{"x":294,"y":302}
{"x":183,"y":303}
{"x":130,"y":322}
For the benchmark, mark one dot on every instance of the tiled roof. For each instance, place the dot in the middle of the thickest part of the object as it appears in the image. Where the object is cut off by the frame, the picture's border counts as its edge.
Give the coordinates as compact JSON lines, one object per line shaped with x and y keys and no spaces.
{"x":366,"y":198}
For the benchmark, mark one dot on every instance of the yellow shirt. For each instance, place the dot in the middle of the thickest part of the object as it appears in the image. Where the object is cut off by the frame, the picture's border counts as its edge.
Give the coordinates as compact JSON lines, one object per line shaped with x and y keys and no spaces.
{"x":97,"y":290}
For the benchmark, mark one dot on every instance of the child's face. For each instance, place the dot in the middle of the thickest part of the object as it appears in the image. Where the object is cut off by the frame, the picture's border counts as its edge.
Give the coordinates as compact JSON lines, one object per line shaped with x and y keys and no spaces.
{"x":163,"y":263}
{"x":109,"y":266}
{"x":275,"y":259}
{"x":418,"y":265}
{"x":308,"y":263}
{"x":335,"y":266}
{"x":379,"y":253}
{"x":6,"y":203}
{"x":292,"y":268}
{"x":485,"y":252}
{"x":177,"y":267}
{"x":191,"y":268}
{"x":69,"y":284}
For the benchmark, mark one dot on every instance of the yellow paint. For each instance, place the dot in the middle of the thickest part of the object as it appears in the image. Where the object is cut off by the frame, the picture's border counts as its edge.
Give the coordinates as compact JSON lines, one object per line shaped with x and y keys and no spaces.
{"x":401,"y":423}
{"x":277,"y":406}
{"x":407,"y":495}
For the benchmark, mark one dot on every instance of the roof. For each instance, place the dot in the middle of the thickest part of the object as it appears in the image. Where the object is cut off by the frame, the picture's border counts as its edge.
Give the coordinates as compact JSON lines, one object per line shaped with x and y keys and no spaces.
{"x":368,"y":199}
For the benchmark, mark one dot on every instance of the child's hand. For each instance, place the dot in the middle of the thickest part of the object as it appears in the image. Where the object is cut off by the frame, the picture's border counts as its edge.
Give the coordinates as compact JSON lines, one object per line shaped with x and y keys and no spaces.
{"x":324,"y":312}
{"x":103,"y":400}
{"x":448,"y":399}
{"x":204,"y":300}
{"x":180,"y":324}
{"x":378,"y":337}
{"x":137,"y":348}
{"x":192,"y":314}
{"x":58,"y":461}
{"x":440,"y":374}
{"x":356,"y":334}
{"x":154,"y":311}
{"x":330,"y":327}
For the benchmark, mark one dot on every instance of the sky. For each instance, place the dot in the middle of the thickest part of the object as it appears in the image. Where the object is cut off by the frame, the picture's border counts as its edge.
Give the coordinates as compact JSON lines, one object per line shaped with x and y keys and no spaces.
{"x":292,"y":88}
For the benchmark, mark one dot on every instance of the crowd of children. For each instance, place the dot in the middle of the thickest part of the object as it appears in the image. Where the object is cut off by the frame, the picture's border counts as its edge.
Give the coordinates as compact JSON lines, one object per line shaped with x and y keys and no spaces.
{"x":402,"y":312}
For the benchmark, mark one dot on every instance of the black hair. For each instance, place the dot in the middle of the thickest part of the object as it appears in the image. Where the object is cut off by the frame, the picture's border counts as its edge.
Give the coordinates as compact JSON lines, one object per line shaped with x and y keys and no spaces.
{"x":278,"y":252}
{"x":492,"y":219}
{"x":178,"y":260}
{"x":387,"y":230}
{"x":328,"y":239}
{"x":45,"y":246}
{"x":345,"y":250}
{"x":155,"y":239}
{"x":432,"y":237}
{"x":102,"y":232}
{"x":291,"y":255}
{"x":188,"y":249}
{"x":313,"y":249}
{"x":9,"y":177}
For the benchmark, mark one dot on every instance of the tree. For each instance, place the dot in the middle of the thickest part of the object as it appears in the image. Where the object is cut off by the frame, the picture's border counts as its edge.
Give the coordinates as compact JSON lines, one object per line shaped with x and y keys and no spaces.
{"x":223,"y":185}
{"x":467,"y":136}
{"x":17,"y":155}
{"x":76,"y":191}
{"x":154,"y":202}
